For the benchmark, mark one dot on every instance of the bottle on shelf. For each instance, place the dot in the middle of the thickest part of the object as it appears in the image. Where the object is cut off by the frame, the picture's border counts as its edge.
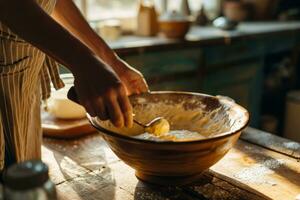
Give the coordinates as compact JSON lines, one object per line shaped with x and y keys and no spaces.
{"x":147,"y":22}
{"x":185,"y":8}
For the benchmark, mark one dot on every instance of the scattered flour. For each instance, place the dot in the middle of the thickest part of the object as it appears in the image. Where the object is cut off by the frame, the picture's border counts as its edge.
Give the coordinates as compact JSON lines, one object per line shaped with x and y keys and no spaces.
{"x":292,"y":145}
{"x":257,"y":172}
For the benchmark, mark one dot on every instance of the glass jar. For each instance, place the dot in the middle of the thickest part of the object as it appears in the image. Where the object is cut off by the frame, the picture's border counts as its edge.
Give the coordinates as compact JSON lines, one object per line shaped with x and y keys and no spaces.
{"x":28,"y":180}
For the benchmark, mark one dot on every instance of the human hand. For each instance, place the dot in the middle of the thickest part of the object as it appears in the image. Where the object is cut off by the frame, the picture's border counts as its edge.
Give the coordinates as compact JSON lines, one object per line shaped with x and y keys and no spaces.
{"x":102,"y":93}
{"x":132,"y":79}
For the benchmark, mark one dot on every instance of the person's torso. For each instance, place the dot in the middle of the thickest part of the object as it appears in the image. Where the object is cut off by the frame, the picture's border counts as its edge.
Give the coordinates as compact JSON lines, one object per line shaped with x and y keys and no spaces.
{"x":6,"y":33}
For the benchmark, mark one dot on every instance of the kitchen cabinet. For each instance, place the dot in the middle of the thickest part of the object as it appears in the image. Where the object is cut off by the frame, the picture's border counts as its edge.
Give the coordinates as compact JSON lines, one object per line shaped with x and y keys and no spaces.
{"x":220,"y":55}
{"x":170,"y":62}
{"x":171,"y":69}
{"x":229,"y":63}
{"x":231,"y":70}
{"x":242,"y":82}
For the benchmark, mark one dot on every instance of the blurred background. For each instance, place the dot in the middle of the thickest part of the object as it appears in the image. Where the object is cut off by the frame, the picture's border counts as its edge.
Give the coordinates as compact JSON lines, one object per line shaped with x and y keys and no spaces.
{"x":245,"y":49}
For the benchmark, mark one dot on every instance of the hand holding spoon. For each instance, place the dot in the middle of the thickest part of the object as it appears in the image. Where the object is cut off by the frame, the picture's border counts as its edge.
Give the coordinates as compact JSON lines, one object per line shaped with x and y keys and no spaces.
{"x":158,"y":126}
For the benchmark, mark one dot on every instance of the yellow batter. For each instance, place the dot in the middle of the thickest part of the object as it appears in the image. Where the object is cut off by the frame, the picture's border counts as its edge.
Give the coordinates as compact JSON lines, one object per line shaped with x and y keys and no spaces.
{"x":158,"y":127}
{"x":173,"y":135}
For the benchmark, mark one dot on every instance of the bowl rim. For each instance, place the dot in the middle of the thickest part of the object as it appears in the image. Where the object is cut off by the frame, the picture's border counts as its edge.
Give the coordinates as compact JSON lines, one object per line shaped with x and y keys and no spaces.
{"x":210,"y":139}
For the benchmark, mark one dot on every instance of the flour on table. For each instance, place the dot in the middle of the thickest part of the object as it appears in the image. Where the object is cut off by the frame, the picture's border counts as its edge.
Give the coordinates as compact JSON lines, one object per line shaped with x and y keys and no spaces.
{"x":256,"y":174}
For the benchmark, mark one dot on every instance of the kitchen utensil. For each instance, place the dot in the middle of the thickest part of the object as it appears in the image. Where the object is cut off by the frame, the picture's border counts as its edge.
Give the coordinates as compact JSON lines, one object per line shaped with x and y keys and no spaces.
{"x":174,"y":25}
{"x":148,"y":127}
{"x":110,"y":29}
{"x":176,"y":163}
{"x":148,"y":124}
{"x":201,"y":18}
{"x":164,"y":6}
{"x":147,"y":24}
{"x":158,"y":126}
{"x":185,"y":8}
{"x":213,"y":8}
{"x":235,"y":10}
{"x":225,"y":24}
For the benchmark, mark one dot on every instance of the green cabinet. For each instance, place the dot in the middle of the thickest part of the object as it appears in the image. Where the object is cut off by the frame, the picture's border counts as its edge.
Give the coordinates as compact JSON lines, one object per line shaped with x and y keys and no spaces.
{"x":241,"y":82}
{"x":230,"y":53}
{"x":230,"y":70}
{"x":170,"y":70}
{"x":166,"y":63}
{"x":188,"y":84}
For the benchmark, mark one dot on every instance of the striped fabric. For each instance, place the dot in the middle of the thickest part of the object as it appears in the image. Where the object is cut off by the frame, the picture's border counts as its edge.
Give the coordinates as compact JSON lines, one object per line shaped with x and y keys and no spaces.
{"x":25,"y":76}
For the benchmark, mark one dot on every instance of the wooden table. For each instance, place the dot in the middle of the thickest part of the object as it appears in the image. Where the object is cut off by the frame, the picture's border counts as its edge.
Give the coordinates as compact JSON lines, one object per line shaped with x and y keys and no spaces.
{"x":260,"y":166}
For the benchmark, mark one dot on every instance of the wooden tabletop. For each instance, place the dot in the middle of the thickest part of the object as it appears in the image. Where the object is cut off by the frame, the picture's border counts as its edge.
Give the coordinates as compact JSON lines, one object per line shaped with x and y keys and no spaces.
{"x":260,"y":166}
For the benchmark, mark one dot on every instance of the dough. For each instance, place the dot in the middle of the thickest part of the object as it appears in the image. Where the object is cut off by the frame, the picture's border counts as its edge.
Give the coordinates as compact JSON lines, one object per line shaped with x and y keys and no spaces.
{"x":62,"y":108}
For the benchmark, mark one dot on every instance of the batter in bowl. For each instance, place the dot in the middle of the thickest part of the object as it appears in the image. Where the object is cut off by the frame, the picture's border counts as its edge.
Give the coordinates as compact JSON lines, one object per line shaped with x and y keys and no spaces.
{"x":172,"y":135}
{"x":160,"y":131}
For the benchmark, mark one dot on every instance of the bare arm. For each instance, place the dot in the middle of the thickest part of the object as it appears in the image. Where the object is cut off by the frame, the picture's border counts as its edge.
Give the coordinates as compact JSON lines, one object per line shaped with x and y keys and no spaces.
{"x":68,"y":15}
{"x":106,"y":96}
{"x":30,"y":22}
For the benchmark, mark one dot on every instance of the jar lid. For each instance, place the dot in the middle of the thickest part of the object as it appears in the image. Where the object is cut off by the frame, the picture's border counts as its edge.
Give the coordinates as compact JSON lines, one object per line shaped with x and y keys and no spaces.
{"x":26,"y":175}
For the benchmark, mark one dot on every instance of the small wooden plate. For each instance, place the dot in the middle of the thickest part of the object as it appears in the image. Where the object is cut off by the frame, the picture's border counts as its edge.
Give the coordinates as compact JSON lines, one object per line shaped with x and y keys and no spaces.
{"x":65,"y":129}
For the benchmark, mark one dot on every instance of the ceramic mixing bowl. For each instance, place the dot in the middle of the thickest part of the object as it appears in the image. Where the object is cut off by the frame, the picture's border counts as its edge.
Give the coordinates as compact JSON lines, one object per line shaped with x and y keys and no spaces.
{"x":219,"y":119}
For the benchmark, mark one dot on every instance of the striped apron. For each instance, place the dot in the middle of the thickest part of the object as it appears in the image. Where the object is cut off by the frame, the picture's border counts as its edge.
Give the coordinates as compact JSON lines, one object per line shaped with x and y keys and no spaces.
{"x":25,"y":76}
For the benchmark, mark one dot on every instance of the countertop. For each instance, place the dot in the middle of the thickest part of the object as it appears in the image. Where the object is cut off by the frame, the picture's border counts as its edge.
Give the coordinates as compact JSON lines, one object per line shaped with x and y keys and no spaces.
{"x":260,"y":166}
{"x":205,"y":36}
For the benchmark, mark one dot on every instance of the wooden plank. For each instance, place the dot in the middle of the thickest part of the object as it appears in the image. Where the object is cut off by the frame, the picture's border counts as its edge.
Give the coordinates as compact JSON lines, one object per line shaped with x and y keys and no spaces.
{"x":90,"y":187}
{"x":65,"y":129}
{"x":123,"y":176}
{"x":213,"y":188}
{"x":260,"y":171}
{"x":88,"y":166}
{"x":102,"y":176}
{"x":272,"y":142}
{"x":61,"y":167}
{"x":90,"y":152}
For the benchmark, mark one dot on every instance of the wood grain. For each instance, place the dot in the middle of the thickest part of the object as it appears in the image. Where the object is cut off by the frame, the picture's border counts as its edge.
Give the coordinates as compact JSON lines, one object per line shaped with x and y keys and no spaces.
{"x":260,"y":171}
{"x":65,"y":129}
{"x":272,"y":142}
{"x":87,"y":169}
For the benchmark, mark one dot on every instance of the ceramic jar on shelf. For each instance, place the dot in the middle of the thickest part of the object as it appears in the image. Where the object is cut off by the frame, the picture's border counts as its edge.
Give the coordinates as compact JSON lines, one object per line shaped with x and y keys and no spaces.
{"x":147,"y":24}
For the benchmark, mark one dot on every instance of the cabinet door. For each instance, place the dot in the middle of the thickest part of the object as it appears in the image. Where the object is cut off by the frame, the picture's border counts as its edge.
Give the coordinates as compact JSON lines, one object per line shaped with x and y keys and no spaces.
{"x":243,"y":83}
{"x":188,"y":84}
{"x":234,"y":52}
{"x":163,"y":63}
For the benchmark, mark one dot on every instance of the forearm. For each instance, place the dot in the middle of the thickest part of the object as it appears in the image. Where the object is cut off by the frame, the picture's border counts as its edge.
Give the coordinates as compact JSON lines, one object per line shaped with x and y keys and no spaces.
{"x":68,"y":15}
{"x":30,"y":22}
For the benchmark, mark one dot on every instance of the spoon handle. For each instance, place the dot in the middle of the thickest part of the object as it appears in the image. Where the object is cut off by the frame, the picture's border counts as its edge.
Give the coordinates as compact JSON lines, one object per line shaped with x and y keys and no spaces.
{"x":139,"y":123}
